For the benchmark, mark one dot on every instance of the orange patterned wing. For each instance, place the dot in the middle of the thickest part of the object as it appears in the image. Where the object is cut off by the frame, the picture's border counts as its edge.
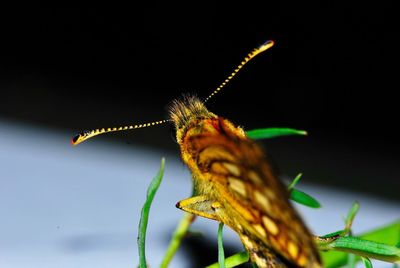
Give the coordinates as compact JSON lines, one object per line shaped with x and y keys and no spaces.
{"x":237,"y":187}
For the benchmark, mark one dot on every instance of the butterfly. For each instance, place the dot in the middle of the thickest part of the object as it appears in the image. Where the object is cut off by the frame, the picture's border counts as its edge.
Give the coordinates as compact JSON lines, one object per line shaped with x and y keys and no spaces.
{"x":234,"y":182}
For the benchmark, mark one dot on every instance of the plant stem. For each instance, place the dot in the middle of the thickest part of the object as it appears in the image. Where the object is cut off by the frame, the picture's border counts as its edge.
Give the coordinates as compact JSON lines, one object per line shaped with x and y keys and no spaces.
{"x":177,"y":238}
{"x":221,"y":254}
{"x":233,"y":261}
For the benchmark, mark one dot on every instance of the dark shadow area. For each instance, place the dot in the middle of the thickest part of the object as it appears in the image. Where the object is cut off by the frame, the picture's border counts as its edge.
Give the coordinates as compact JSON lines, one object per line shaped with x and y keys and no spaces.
{"x":203,"y":251}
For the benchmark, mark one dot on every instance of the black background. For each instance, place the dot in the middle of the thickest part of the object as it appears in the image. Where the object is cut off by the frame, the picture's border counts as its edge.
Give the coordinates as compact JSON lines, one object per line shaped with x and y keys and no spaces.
{"x":331,"y":72}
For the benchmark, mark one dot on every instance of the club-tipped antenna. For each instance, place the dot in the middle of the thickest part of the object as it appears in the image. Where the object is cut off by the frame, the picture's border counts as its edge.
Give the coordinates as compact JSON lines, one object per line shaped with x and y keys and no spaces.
{"x":266,"y":45}
{"x":83,"y":136}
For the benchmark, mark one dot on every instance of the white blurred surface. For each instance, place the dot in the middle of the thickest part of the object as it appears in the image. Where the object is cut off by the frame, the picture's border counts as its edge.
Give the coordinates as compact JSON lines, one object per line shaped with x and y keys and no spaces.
{"x":64,"y":206}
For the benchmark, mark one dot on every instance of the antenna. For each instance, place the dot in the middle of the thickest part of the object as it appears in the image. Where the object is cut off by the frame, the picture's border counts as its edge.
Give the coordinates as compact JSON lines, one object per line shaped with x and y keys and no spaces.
{"x":266,"y":45}
{"x":81,"y":137}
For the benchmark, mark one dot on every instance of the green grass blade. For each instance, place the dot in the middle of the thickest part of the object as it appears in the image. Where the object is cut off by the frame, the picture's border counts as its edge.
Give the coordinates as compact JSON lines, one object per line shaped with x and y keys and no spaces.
{"x":304,"y":199}
{"x":351,"y":258}
{"x":367,"y":262}
{"x":234,"y":260}
{"x":366,"y":248}
{"x":295,"y":181}
{"x":267,"y":133}
{"x":351,"y":215}
{"x":176,"y":240}
{"x":144,"y":217}
{"x":389,"y":234}
{"x":221,"y":253}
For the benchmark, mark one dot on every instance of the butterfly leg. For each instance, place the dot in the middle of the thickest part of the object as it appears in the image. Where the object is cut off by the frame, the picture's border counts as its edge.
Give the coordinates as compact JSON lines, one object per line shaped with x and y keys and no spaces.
{"x":201,"y":206}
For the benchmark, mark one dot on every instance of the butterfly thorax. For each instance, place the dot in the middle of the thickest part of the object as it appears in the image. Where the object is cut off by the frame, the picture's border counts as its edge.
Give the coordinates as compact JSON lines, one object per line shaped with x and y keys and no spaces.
{"x":192,"y":119}
{"x":187,"y":113}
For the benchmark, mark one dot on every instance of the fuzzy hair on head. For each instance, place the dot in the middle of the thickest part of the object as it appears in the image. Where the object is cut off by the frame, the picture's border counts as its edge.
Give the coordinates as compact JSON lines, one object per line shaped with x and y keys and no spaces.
{"x":190,"y":107}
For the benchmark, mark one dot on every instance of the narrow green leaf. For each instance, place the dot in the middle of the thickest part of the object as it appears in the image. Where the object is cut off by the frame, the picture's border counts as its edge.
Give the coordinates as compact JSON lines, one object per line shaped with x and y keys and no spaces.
{"x":267,"y":133}
{"x":144,"y":218}
{"x":388,"y":234}
{"x":351,"y":215}
{"x":304,"y":199}
{"x":367,"y":262}
{"x":351,"y":258}
{"x":295,"y":181}
{"x":234,"y":260}
{"x":221,"y":254}
{"x":366,"y":248}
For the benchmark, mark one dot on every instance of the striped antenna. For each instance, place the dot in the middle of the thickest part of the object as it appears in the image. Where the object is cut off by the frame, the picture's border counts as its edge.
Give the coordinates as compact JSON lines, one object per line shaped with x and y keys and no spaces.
{"x":249,"y":56}
{"x":81,"y":137}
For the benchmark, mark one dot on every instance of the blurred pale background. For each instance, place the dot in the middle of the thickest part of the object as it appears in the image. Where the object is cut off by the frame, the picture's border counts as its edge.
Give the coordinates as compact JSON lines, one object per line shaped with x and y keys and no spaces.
{"x":79,"y":207}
